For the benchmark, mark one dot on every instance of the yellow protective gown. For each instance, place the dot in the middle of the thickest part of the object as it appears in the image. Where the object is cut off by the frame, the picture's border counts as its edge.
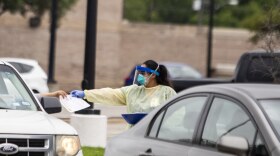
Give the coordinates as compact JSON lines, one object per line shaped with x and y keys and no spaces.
{"x":137,"y":98}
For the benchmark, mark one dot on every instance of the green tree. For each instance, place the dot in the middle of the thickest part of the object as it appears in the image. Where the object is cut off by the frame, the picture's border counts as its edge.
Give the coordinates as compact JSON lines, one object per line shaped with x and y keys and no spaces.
{"x":267,"y":28}
{"x":37,"y":7}
{"x":174,"y":11}
{"x":171,"y":11}
{"x":136,"y":10}
{"x":244,"y":15}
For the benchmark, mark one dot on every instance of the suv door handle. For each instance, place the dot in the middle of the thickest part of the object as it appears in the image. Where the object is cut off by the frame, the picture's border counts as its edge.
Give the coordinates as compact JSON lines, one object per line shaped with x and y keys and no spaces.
{"x":147,"y":153}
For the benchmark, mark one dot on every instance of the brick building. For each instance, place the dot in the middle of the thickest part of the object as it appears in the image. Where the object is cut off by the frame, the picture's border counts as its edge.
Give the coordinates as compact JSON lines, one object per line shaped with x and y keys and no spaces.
{"x":120,"y":44}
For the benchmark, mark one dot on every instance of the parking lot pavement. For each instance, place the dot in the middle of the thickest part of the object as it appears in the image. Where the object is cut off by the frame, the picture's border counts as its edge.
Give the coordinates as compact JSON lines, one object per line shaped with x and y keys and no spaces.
{"x":115,"y":126}
{"x":115,"y":123}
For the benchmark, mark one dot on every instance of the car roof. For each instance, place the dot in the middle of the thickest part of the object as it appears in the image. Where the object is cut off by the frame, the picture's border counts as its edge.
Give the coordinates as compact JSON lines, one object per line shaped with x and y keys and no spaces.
{"x":261,"y":50}
{"x":2,"y":62}
{"x":20,"y":60}
{"x":257,"y":91}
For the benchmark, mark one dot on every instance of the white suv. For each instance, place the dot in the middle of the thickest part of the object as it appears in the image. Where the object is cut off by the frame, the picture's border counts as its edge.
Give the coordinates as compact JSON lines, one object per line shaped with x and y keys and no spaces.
{"x":26,"y":128}
{"x":31,"y":72}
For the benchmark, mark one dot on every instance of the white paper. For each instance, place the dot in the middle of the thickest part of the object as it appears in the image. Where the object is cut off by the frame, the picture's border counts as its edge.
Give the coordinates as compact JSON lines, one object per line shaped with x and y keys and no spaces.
{"x":73,"y":104}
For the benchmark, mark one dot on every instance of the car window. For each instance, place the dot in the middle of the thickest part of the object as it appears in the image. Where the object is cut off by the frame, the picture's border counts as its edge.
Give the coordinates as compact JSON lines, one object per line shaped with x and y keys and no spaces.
{"x":183,"y":72}
{"x":177,"y":123}
{"x":227,"y":118}
{"x":13,"y":94}
{"x":271,"y":108}
{"x":261,"y":69}
{"x":17,"y":66}
{"x":154,"y":130}
{"x":259,"y":148}
{"x":21,"y":68}
{"x":26,"y":68}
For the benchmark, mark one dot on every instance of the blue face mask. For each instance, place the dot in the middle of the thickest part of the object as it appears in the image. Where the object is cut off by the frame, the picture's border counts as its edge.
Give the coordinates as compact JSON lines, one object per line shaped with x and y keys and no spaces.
{"x":141,"y":79}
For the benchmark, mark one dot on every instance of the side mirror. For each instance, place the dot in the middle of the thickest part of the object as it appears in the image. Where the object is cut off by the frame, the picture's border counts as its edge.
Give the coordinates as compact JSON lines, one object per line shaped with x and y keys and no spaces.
{"x":233,"y":145}
{"x":51,"y":104}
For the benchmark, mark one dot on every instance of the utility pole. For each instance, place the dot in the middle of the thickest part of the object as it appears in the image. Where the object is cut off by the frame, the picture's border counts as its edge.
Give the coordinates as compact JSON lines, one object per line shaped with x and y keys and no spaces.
{"x":52,"y":42}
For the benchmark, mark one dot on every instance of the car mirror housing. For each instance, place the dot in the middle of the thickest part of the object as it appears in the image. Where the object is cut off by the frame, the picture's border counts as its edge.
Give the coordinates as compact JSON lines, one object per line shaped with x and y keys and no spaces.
{"x":233,"y":145}
{"x":51,"y":104}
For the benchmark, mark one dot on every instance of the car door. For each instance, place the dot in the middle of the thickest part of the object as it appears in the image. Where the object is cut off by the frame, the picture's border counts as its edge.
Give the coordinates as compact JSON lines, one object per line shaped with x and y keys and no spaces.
{"x":172,"y":130}
{"x":228,"y":117}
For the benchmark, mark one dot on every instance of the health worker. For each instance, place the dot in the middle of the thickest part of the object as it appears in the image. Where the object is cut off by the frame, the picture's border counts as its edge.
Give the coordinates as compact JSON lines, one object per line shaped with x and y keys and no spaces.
{"x":151,"y":88}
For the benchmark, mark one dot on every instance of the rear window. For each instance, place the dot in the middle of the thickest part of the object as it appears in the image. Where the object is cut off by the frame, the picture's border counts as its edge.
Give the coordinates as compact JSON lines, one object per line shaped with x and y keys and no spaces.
{"x":21,"y":68}
{"x":183,"y":72}
{"x":264,"y":69}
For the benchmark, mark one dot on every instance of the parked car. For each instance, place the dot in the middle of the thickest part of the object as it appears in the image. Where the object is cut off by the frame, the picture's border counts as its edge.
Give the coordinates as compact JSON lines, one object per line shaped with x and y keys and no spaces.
{"x":31,"y":72}
{"x":212,"y":120}
{"x":176,"y":70}
{"x":253,"y":67}
{"x":26,"y":127}
{"x":181,"y":70}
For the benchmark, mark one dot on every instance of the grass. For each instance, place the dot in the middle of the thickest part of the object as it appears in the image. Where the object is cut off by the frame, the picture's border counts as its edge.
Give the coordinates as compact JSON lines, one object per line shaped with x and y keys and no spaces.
{"x":93,"y":151}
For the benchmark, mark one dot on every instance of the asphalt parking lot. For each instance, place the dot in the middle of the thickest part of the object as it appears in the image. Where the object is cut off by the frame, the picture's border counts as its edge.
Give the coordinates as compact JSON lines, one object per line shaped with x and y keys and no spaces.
{"x":115,"y":126}
{"x":115,"y":123}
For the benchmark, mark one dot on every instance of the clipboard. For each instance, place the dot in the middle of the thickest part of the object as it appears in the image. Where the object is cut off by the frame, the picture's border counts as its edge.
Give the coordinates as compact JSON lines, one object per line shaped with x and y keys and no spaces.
{"x":73,"y":104}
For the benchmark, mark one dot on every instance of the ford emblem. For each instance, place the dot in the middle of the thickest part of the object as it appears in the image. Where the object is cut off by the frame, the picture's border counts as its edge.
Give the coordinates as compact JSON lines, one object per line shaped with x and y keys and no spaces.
{"x":8,"y":149}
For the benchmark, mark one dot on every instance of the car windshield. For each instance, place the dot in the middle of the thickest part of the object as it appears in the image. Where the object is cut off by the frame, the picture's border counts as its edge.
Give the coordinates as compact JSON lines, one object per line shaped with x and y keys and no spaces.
{"x":13,"y":94}
{"x":182,"y":72}
{"x":272,"y":110}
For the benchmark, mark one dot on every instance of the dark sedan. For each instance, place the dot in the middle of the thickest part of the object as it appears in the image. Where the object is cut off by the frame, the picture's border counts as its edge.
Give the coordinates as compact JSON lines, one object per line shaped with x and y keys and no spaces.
{"x":211,"y":120}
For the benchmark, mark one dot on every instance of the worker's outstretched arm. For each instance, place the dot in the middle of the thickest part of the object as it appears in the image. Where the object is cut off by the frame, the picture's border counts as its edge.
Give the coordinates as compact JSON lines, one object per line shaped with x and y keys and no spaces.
{"x":102,"y":96}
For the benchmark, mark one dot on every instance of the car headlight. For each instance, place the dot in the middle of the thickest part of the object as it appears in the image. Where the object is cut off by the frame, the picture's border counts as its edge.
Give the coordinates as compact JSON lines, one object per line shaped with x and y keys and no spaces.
{"x":67,"y":145}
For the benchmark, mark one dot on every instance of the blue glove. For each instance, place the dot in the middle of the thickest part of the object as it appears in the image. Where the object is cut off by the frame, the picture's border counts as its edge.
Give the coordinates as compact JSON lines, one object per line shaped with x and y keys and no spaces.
{"x":77,"y":94}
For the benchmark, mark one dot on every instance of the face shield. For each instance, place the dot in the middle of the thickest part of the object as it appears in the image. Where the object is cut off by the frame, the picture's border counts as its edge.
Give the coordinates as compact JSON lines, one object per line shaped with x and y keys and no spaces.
{"x":141,"y":76}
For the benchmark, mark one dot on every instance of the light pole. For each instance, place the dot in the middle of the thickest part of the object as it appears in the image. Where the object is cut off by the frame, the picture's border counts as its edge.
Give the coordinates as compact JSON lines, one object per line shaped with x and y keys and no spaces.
{"x":52,"y":42}
{"x":210,"y":37}
{"x":210,"y":33}
{"x":90,"y":53}
{"x":90,"y":45}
